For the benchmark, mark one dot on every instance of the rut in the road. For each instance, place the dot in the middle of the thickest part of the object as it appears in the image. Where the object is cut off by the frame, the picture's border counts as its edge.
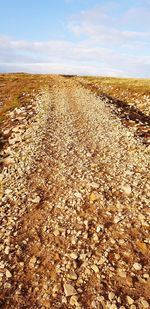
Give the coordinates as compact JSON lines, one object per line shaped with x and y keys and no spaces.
{"x":83,"y":241}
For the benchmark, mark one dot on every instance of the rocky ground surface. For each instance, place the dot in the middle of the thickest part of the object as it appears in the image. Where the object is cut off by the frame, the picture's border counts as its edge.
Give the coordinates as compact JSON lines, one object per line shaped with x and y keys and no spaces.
{"x":74,"y":205}
{"x":134,"y":114}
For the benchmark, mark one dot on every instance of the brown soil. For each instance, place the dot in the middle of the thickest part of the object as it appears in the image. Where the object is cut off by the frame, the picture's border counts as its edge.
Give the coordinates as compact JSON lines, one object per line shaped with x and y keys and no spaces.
{"x":75,"y":226}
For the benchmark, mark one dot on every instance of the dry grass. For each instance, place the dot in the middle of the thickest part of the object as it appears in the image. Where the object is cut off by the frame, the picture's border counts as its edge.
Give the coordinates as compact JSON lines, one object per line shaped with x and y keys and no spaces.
{"x":18,"y":89}
{"x":132,"y":91}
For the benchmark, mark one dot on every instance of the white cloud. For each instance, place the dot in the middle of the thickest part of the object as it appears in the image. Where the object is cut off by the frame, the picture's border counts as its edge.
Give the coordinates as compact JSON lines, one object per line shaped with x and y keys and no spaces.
{"x":68,"y":57}
{"x":106,"y":46}
{"x":103,"y":25}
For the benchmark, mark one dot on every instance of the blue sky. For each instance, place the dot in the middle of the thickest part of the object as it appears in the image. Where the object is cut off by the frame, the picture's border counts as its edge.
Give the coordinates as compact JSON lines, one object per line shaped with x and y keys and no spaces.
{"x":85,"y":37}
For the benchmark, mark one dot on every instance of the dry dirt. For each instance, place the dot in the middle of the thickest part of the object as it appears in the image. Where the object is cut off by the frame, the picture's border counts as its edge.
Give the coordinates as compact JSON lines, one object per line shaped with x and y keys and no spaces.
{"x":75,"y":192}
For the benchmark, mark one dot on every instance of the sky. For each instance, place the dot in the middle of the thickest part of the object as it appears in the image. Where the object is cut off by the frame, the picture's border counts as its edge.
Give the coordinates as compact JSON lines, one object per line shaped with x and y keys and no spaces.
{"x":83,"y":37}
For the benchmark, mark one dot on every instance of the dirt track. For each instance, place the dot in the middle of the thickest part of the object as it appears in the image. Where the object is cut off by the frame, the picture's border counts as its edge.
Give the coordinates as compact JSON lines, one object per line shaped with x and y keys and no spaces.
{"x":75,"y":232}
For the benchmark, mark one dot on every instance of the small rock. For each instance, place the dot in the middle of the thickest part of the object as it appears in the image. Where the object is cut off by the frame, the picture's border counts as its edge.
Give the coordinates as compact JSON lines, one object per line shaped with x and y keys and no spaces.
{"x":133,"y":307}
{"x":78,"y":195}
{"x":113,"y":306}
{"x":130,"y":300}
{"x":69,"y":290}
{"x":94,"y":185}
{"x":14,"y":140}
{"x":8,"y":161}
{"x":55,"y":290}
{"x":142,"y":247}
{"x":121,"y":273}
{"x":102,"y":260}
{"x":56,"y":233}
{"x":6,"y":132}
{"x":74,"y":255}
{"x":36,"y":200}
{"x":95,"y":237}
{"x":117,"y":219}
{"x":7,"y":285}
{"x":94,"y":197}
{"x":72,"y":276}
{"x":95,"y":268}
{"x":137,"y":266}
{"x":8,"y":274}
{"x":7,"y":250}
{"x":74,"y":301}
{"x":8,"y":192}
{"x":32,"y":261}
{"x":146,"y":276}
{"x":144,"y":303}
{"x":99,"y":228}
{"x":111,"y":296}
{"x":126,"y":189}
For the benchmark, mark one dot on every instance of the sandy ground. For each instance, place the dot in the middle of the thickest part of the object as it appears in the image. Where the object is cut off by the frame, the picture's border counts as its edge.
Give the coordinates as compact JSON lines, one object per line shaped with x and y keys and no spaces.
{"x":74,"y":201}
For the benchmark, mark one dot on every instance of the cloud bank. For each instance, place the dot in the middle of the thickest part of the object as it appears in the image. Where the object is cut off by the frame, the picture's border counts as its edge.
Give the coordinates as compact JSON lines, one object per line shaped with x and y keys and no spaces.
{"x":105,"y":41}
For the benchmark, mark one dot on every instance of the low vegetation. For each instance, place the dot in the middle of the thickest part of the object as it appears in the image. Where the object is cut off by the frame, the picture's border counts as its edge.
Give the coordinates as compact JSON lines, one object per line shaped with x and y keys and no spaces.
{"x":134,"y":92}
{"x":18,"y":89}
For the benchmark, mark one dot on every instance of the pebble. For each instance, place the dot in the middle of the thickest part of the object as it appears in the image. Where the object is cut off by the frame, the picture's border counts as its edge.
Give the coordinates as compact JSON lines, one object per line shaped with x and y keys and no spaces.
{"x":117,"y":219}
{"x":8,"y":274}
{"x":74,"y":301}
{"x":102,"y":260}
{"x":56,"y":233}
{"x":69,"y":290}
{"x":8,"y":161}
{"x":74,"y":255}
{"x":36,"y":200}
{"x":137,"y":266}
{"x":111,"y":296}
{"x":72,"y":276}
{"x":130,"y":300}
{"x":95,"y":268}
{"x":78,"y":195}
{"x":144,"y":303}
{"x":32,"y":261}
{"x":121,"y":273}
{"x":133,"y":307}
{"x":126,"y":189}
{"x":113,"y":306}
{"x":94,"y":185}
{"x":7,"y":250}
{"x":93,"y":197}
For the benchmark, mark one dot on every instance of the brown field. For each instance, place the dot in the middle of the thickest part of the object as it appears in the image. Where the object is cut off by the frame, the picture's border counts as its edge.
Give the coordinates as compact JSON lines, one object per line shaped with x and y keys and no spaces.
{"x":17,"y":89}
{"x":135,"y":92}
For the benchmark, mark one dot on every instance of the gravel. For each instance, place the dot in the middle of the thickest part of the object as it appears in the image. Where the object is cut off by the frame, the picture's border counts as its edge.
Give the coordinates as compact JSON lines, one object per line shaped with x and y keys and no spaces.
{"x":75,"y":205}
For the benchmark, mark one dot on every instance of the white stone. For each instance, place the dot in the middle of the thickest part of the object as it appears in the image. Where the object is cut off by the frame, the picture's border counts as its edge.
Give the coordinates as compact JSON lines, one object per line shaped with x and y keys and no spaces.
{"x":56,"y":233}
{"x":8,"y":274}
{"x":74,"y":255}
{"x":126,"y":189}
{"x":74,"y":301}
{"x":137,"y":266}
{"x":7,"y":250}
{"x":121,"y":273}
{"x":130,"y":300}
{"x":78,"y":195}
{"x":69,"y":290}
{"x":95,"y":268}
{"x":144,"y":303}
{"x":72,"y":275}
{"x":111,"y":296}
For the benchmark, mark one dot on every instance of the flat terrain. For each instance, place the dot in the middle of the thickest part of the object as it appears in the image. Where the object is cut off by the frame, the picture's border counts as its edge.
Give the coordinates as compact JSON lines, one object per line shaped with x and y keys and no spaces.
{"x":75,"y":193}
{"x":135,"y":92}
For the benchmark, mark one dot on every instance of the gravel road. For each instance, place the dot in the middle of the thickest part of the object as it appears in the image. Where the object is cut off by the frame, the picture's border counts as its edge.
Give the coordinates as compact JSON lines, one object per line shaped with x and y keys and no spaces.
{"x":75,"y":206}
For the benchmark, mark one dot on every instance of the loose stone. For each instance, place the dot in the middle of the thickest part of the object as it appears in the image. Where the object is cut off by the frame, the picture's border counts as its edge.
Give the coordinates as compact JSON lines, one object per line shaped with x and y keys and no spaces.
{"x":69,"y":290}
